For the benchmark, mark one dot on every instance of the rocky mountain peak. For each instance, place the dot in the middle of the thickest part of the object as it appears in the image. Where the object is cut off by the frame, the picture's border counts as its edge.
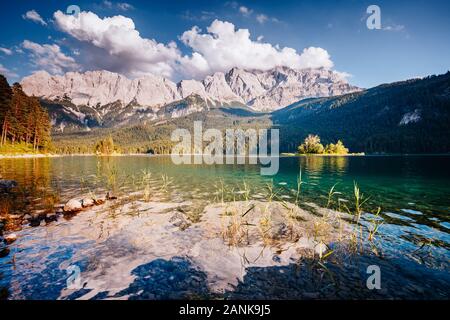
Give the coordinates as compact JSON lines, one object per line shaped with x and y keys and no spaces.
{"x":261,"y":90}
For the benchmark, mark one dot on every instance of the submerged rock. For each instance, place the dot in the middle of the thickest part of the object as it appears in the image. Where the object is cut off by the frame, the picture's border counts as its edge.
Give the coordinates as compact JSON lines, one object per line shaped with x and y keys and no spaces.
{"x":73,"y":206}
{"x":87,"y":202}
{"x":99,"y":200}
{"x":7,"y":184}
{"x":10,"y":238}
{"x":35,"y":220}
{"x":4,"y":251}
{"x":51,"y":217}
{"x":278,"y":225}
{"x":179,"y":220}
{"x":227,"y":242}
{"x":110,"y":196}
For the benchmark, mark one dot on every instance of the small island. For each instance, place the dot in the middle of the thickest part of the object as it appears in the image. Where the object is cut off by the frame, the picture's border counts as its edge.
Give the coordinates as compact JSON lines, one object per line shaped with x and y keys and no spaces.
{"x":313,"y":146}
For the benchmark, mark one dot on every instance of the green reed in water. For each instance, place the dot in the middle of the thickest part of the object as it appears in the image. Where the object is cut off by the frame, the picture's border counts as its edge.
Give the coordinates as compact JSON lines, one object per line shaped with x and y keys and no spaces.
{"x":246,"y":190}
{"x":271,"y":193}
{"x":331,"y":193}
{"x":166,"y":182}
{"x":360,"y":200}
{"x":299,"y":186}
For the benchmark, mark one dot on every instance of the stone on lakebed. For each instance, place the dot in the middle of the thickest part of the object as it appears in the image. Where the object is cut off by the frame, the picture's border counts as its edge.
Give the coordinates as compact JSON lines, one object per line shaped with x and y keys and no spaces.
{"x":7,"y":184}
{"x":73,"y":205}
{"x":110,"y":196}
{"x":10,"y":238}
{"x":87,"y":202}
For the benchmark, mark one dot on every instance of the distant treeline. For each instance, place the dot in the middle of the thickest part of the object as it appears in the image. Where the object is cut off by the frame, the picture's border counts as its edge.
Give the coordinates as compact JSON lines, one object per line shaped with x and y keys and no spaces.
{"x":149,"y":137}
{"x":25,"y":125}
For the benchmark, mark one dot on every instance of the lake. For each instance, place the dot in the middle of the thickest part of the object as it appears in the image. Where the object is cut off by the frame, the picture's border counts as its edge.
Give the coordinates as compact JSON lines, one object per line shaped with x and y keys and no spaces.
{"x":412,"y":192}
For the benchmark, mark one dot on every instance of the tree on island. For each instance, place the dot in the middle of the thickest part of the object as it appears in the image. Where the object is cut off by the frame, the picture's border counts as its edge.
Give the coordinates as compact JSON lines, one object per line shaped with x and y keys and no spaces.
{"x":337,"y":148}
{"x":106,"y":147}
{"x":312,"y":145}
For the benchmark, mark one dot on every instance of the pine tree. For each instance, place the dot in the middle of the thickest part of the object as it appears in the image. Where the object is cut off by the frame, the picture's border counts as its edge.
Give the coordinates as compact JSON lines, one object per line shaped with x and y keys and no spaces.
{"x":23,"y":120}
{"x":5,"y":107}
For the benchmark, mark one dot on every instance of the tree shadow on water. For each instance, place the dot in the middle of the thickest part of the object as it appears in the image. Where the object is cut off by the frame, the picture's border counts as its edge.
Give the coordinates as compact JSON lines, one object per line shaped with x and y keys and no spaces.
{"x":178,"y":278}
{"x":309,"y":280}
{"x":161,"y":279}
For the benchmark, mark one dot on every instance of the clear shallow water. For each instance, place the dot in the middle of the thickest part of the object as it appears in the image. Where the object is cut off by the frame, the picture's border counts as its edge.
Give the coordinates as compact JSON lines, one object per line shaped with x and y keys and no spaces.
{"x":412,"y":191}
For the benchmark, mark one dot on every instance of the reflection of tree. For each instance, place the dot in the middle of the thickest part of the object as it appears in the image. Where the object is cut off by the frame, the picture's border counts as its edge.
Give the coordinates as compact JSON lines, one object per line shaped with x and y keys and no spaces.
{"x":338,"y":164}
{"x":107,"y":173}
{"x":314,"y":164}
{"x":34,"y":191}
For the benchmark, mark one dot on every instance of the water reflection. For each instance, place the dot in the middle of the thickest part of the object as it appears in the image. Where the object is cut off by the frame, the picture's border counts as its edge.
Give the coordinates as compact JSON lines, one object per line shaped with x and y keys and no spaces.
{"x":396,"y":184}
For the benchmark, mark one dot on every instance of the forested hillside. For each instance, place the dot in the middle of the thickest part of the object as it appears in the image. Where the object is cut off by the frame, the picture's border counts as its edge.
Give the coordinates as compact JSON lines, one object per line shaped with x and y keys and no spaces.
{"x":154,"y":136}
{"x":403,"y":117}
{"x":25,"y":125}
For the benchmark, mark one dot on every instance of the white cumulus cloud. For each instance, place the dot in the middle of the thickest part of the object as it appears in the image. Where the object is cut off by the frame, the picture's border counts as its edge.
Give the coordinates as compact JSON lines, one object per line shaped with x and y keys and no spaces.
{"x":8,"y":73}
{"x":114,"y":44}
{"x":122,"y":49}
{"x":261,"y":18}
{"x":50,"y":57}
{"x":6,"y":51}
{"x":34,"y":16}
{"x":124,"y":6}
{"x":223,"y":47}
{"x":245,"y":11}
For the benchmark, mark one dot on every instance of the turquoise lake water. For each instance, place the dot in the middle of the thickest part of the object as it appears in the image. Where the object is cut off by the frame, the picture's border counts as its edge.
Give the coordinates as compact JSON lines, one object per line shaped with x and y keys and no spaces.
{"x":413,"y":192}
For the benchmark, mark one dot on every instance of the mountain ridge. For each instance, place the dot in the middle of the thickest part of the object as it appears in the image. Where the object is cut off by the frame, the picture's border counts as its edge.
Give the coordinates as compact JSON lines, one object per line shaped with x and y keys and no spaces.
{"x":260,"y":90}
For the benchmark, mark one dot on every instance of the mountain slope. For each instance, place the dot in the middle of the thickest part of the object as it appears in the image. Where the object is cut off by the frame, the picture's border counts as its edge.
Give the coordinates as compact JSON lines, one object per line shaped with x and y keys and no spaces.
{"x":410,"y":116}
{"x":94,"y":98}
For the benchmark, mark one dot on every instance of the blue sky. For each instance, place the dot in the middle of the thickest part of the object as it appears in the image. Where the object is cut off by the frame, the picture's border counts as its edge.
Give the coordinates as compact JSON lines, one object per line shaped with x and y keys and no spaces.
{"x":413,"y":41}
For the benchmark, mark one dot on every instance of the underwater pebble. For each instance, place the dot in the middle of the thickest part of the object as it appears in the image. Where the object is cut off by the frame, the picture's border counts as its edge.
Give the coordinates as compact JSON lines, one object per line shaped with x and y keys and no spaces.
{"x":73,"y":206}
{"x":10,"y":238}
{"x":411,"y":211}
{"x":87,"y":202}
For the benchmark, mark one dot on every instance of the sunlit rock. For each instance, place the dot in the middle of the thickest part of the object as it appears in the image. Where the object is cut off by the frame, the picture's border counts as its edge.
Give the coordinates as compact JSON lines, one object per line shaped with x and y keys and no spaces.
{"x":73,"y":205}
{"x":10,"y":238}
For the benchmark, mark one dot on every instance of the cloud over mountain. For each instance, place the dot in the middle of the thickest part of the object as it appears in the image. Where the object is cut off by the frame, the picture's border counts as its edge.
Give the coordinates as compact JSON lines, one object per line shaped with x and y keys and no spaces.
{"x":114,"y":43}
{"x":124,"y":50}
{"x":50,"y":57}
{"x":223,"y":47}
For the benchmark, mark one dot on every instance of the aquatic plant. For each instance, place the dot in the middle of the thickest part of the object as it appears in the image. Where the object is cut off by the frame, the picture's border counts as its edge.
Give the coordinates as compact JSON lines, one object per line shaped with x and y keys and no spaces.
{"x":271,"y":193}
{"x":331,"y":193}
{"x":360,"y":200}
{"x":146,"y":177}
{"x":233,"y":232}
{"x":246,"y":191}
{"x":220,"y":191}
{"x":147,"y":193}
{"x":110,"y":175}
{"x":376,"y":223}
{"x":299,"y":186}
{"x":166,"y":182}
